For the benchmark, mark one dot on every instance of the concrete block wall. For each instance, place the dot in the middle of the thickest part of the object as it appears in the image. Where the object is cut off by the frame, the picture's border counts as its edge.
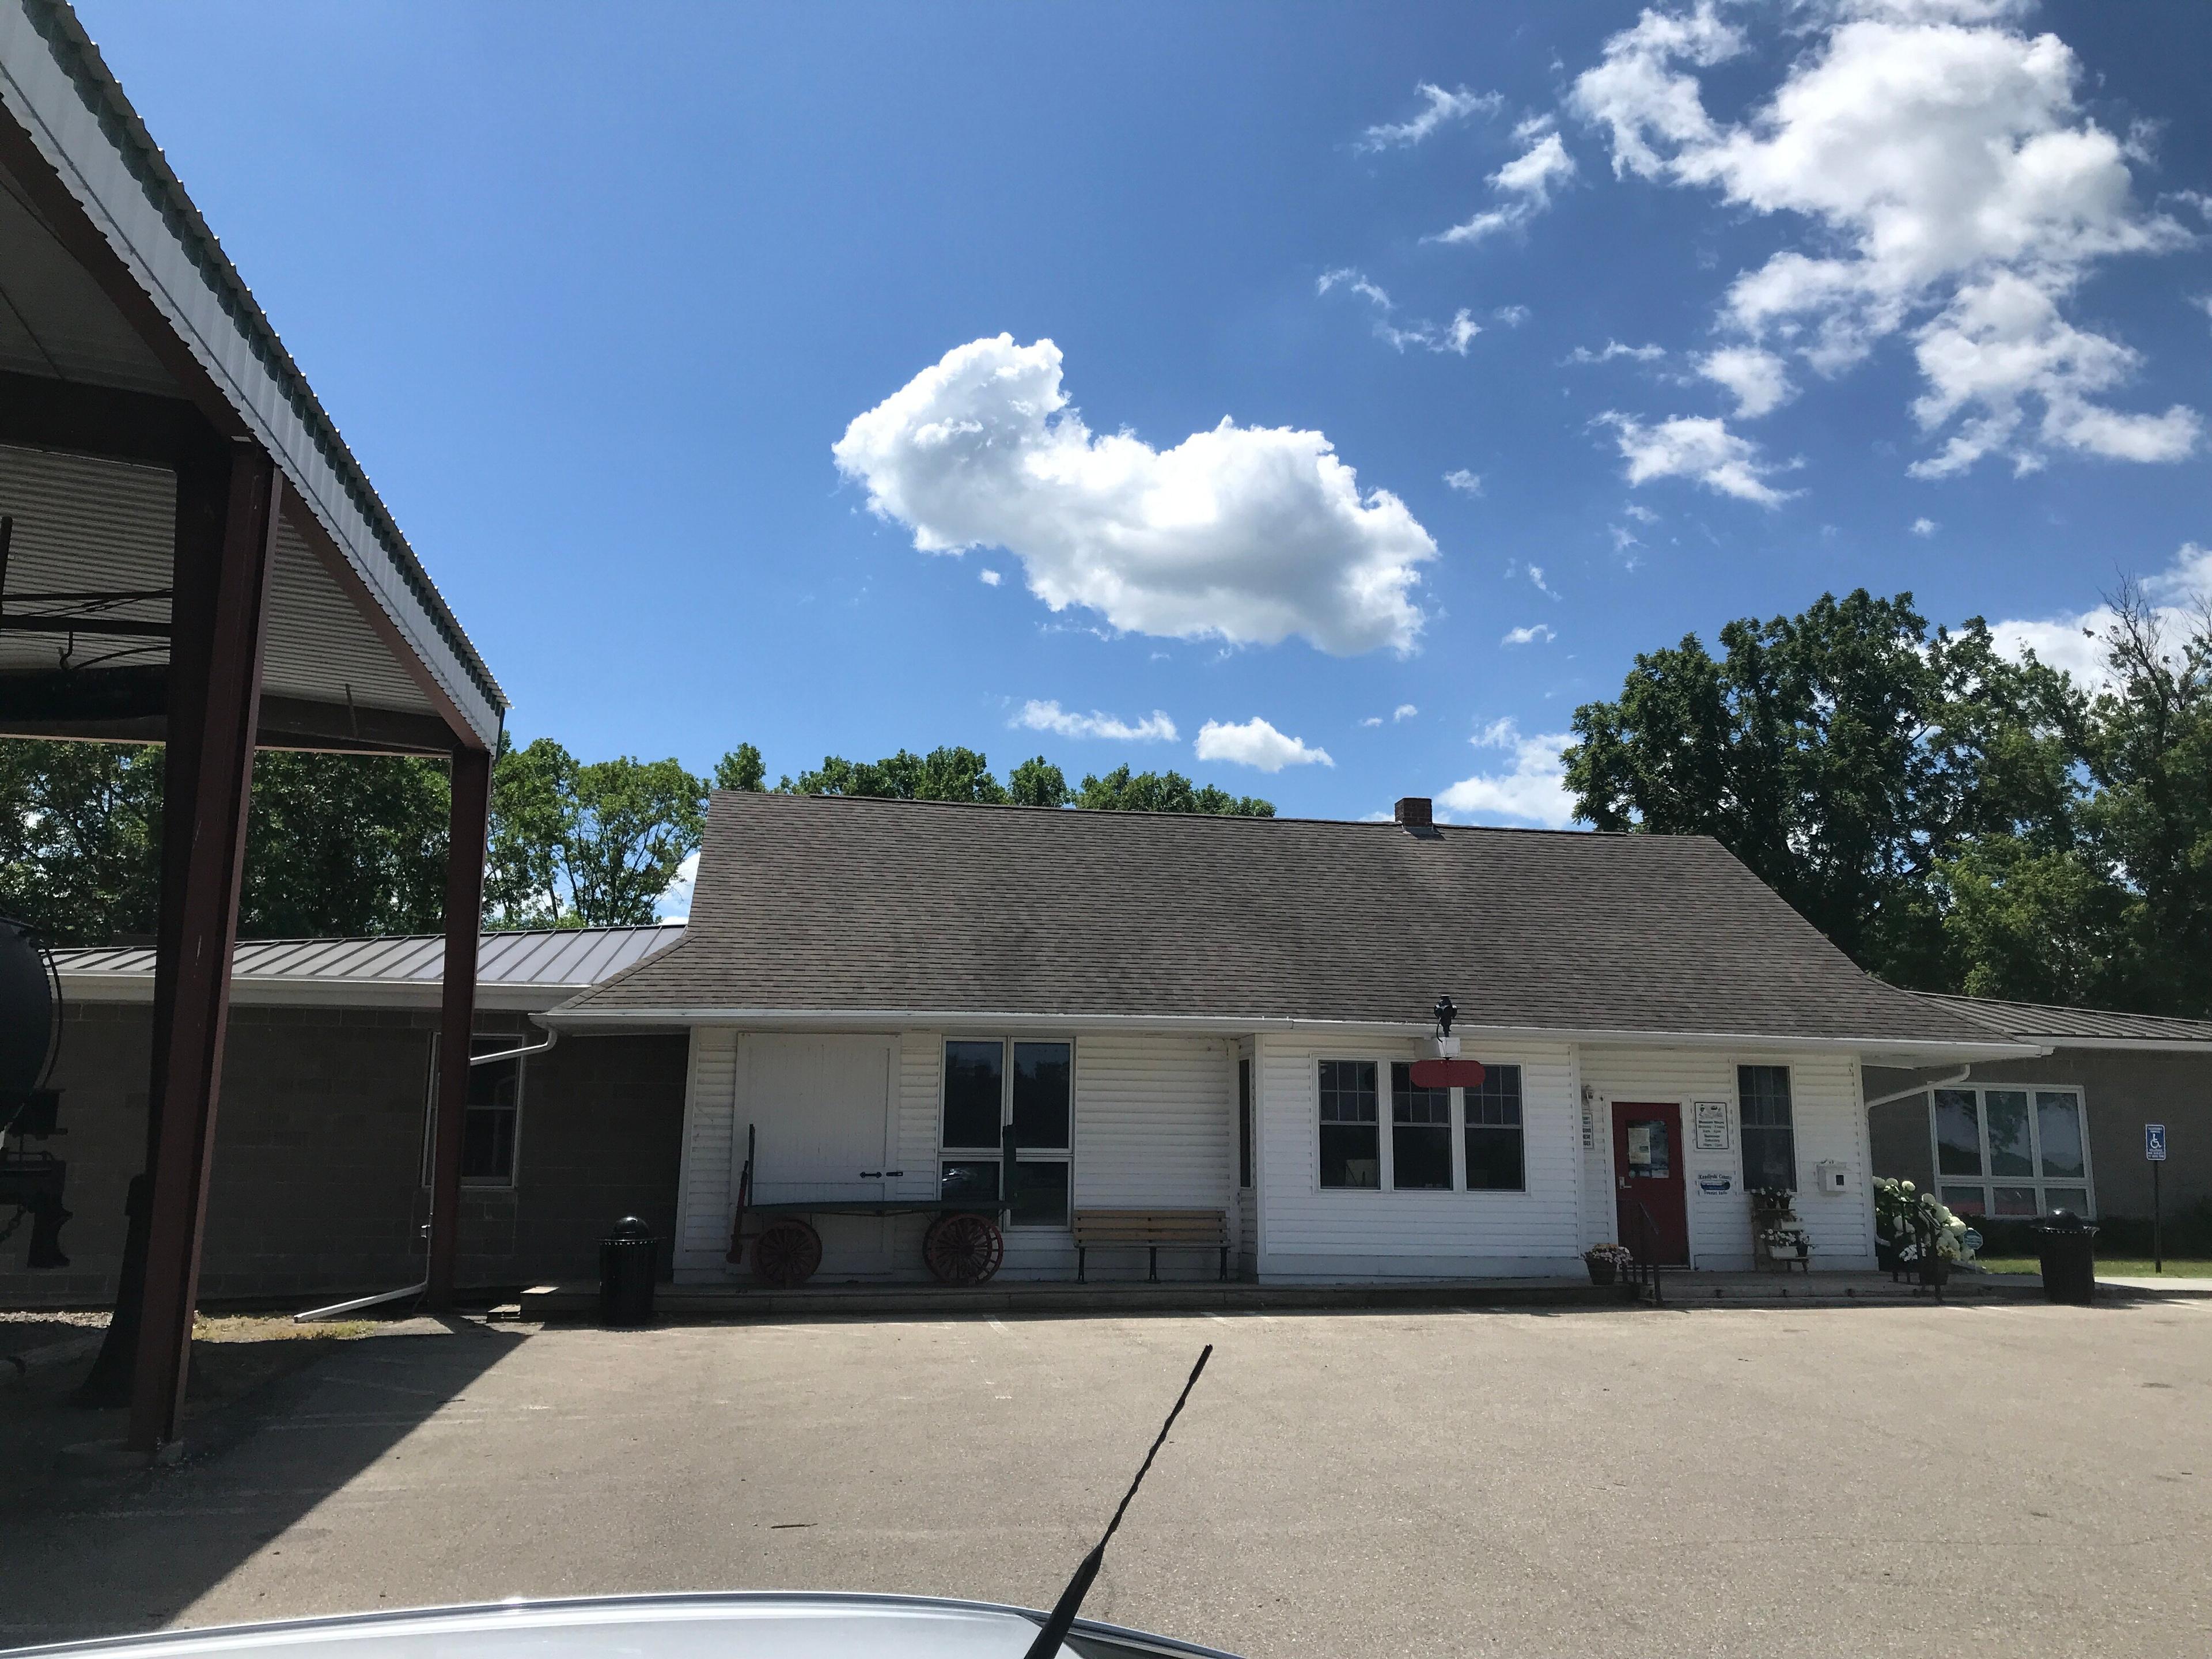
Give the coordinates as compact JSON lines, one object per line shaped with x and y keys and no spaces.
{"x":318,"y":1176}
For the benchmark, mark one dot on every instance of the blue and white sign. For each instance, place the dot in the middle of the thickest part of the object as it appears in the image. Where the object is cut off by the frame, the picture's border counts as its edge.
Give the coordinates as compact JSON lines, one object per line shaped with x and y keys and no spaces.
{"x":2154,"y":1142}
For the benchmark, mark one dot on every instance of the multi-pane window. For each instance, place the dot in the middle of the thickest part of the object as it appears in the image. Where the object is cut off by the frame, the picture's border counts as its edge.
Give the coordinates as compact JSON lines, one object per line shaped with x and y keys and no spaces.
{"x":1001,"y":1096}
{"x":2010,"y":1151}
{"x":492,"y":1122}
{"x":1244,"y":1123}
{"x":1420,"y":1133}
{"x":1494,"y":1160}
{"x":1351,"y":1135}
{"x":1423,"y":1123}
{"x":1770,"y":1137}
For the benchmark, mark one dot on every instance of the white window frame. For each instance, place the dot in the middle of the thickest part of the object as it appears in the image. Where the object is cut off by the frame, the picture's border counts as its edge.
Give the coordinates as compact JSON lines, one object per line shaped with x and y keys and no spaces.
{"x":476,"y":1183}
{"x":1742,"y":1126}
{"x":2086,"y":1181}
{"x":1386,"y":1125}
{"x":976,"y":1154}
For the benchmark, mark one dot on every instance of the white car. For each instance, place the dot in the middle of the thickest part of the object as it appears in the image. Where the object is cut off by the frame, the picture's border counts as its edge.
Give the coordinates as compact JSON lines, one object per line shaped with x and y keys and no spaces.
{"x":769,"y":1624}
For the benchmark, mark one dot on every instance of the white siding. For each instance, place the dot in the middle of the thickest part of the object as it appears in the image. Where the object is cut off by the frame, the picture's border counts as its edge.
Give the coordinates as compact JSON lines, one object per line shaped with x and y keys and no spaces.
{"x":1307,"y":1232}
{"x":1155,"y":1129}
{"x":705,"y":1192}
{"x":1829,"y":1124}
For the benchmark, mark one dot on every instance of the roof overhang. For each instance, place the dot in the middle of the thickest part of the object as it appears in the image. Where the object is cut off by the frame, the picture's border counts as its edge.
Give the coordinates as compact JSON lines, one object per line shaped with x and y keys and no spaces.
{"x":149,"y":337}
{"x":1936,"y":1051}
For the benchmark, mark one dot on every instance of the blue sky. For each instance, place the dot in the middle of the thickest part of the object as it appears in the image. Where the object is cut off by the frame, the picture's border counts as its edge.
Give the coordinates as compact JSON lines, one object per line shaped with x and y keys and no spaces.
{"x":667,"y":331}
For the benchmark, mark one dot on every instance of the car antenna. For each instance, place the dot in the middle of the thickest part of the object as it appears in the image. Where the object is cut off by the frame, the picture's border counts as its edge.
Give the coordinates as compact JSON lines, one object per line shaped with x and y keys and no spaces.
{"x":1047,"y":1645}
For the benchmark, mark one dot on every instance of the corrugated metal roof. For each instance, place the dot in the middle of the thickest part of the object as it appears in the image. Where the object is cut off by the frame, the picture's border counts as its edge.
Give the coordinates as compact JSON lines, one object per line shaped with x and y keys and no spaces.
{"x":57,"y":89}
{"x":84,"y":523}
{"x":554,"y":958}
{"x":2036,"y":1019}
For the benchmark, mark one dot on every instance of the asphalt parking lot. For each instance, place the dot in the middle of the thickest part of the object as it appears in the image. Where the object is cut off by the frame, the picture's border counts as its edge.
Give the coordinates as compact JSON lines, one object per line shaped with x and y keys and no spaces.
{"x":1905,"y":1480}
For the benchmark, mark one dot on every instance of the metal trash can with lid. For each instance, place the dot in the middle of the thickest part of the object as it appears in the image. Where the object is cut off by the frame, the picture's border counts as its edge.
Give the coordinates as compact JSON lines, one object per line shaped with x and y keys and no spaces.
{"x":2068,"y":1245}
{"x":629,"y":1261}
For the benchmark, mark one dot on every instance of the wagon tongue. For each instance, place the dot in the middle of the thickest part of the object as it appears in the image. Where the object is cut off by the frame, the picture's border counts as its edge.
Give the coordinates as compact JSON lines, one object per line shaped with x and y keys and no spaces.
{"x":1047,"y":1645}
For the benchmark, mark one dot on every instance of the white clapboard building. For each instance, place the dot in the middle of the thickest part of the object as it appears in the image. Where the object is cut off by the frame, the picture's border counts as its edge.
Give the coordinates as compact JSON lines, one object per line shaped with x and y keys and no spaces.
{"x":1061,"y":1013}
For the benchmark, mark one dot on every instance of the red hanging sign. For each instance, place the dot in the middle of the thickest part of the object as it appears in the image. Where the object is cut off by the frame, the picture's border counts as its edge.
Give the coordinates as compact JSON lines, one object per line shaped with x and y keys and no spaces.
{"x":1448,"y":1074}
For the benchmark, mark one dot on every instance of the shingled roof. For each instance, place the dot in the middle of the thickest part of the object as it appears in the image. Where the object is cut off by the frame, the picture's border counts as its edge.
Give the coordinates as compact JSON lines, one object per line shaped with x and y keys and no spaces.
{"x":819,"y":904}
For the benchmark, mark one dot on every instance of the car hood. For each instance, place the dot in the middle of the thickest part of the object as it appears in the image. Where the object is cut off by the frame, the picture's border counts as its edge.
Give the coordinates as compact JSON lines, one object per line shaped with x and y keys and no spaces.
{"x":767,"y":1624}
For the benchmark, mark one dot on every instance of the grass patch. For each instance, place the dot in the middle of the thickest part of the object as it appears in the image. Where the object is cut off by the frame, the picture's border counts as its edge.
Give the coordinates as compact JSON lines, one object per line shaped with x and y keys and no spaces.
{"x":2121,"y":1266}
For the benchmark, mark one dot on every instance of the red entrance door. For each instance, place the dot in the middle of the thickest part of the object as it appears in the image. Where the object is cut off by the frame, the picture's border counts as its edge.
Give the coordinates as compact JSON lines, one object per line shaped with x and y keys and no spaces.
{"x":1647,"y":1174}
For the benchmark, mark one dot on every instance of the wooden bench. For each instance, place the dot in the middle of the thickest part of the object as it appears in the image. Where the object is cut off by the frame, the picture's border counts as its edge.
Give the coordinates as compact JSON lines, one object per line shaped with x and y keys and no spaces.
{"x":1150,"y":1229}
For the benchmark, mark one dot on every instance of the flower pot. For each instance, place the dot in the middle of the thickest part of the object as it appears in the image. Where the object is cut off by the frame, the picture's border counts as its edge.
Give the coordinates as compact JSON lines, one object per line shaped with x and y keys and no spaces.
{"x":1603,"y":1272}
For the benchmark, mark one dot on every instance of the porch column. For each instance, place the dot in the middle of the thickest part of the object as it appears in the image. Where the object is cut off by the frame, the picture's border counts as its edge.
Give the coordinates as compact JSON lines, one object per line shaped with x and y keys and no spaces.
{"x":228,"y":509}
{"x":469,"y":823}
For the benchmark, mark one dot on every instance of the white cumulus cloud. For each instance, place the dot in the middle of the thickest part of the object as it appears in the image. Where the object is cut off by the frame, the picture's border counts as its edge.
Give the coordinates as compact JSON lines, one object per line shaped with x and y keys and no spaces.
{"x":1952,"y":191}
{"x":1925,"y":526}
{"x":1437,"y":108}
{"x":1247,"y":534}
{"x":1255,"y":743}
{"x":1531,"y":790}
{"x":1049,"y":716}
{"x":1404,"y":711}
{"x":1525,"y":182}
{"x":1466,"y":482}
{"x":1535,"y":633}
{"x":1759,"y":379}
{"x":2179,"y":595}
{"x":1698,"y":448}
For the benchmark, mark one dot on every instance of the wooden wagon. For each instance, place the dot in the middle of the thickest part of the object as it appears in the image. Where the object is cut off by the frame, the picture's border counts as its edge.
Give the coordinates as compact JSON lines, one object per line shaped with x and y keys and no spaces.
{"x":961,"y":1246}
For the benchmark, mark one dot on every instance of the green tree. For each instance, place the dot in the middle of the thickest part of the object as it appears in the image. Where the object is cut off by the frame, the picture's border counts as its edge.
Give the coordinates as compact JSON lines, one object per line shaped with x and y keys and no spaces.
{"x":943,"y":774}
{"x":81,"y":838}
{"x":344,"y":844}
{"x":586,"y":843}
{"x":1122,"y":791}
{"x":1037,"y":783}
{"x":741,"y":768}
{"x":2150,"y":818}
{"x":1845,"y":755}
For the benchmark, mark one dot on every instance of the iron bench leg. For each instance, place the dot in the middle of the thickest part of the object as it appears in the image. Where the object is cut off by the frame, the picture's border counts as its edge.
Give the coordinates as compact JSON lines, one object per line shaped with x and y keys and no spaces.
{"x":1224,"y":1261}
{"x":1154,"y":1277}
{"x":1082,"y":1261}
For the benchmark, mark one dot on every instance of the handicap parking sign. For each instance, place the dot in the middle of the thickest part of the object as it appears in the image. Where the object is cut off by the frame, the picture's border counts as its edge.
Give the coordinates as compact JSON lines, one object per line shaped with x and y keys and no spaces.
{"x":2154,"y":1142}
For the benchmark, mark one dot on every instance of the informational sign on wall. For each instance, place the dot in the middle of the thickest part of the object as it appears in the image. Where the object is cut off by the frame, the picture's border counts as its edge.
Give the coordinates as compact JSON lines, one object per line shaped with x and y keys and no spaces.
{"x":2154,"y":1142}
{"x":1714,"y":1180}
{"x":1711,"y":1131}
{"x":1589,"y":1132}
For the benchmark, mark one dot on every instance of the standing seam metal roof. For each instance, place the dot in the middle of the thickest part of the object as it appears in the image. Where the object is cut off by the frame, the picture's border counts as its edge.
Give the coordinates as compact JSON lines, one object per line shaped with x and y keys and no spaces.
{"x":548,"y":956}
{"x":2037,"y":1019}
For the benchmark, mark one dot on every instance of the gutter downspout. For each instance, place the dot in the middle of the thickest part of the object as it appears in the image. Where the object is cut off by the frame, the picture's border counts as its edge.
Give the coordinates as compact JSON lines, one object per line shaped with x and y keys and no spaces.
{"x":1952,"y":1081}
{"x":382,"y":1297}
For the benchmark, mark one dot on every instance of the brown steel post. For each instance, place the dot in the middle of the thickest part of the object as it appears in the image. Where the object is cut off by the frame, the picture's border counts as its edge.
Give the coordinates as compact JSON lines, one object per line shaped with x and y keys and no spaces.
{"x":470,"y":821}
{"x":222,"y":565}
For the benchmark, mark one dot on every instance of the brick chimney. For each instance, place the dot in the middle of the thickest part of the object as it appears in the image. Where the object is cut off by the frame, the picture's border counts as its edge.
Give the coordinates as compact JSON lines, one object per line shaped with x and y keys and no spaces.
{"x":1414,"y":812}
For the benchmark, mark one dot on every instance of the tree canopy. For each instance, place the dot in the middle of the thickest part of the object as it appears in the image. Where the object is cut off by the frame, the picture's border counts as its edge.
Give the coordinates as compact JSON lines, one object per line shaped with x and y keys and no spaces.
{"x":341,"y":844}
{"x":1950,"y":818}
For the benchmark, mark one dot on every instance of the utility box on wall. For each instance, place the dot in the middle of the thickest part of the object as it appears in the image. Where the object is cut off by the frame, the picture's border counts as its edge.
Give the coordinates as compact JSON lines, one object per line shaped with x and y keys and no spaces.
{"x":1831,"y":1176}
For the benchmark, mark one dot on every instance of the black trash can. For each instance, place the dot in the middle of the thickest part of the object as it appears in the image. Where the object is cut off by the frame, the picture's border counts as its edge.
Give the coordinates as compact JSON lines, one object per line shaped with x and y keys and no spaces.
{"x":2069,"y":1258}
{"x":629,"y":1260}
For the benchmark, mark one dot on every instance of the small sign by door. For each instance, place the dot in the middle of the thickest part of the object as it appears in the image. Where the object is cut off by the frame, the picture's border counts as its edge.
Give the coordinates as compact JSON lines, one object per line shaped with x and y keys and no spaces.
{"x":1712,"y":1125}
{"x":2154,"y":1142}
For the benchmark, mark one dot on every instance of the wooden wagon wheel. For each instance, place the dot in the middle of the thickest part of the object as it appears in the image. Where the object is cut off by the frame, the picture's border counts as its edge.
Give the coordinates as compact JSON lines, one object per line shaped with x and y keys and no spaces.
{"x":963,"y":1249}
{"x":786,"y":1253}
